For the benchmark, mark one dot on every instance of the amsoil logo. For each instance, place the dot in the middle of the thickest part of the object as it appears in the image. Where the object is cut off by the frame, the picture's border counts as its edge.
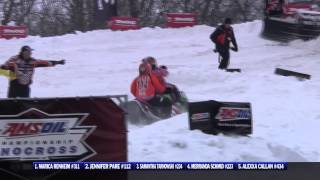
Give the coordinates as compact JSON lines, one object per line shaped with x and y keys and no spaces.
{"x":24,"y":129}
{"x":36,"y":135}
{"x":232,"y":114}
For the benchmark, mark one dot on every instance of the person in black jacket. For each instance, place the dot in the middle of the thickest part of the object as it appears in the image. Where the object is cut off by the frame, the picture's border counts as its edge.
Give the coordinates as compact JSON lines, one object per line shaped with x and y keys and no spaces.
{"x":23,"y":65}
{"x":222,"y":37}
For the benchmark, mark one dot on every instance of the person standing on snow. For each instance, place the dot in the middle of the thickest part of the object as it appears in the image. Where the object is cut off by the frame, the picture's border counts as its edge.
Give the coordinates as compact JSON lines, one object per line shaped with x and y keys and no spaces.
{"x":222,"y":37}
{"x":23,"y":66}
{"x":147,"y":88}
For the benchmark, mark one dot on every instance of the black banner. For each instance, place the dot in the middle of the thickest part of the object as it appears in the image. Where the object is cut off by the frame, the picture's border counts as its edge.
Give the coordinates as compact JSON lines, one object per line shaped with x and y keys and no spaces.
{"x":214,"y":117}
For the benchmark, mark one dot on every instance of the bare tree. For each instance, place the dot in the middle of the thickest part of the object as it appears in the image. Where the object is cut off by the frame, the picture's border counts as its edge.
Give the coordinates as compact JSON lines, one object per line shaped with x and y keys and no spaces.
{"x":23,"y":9}
{"x":55,"y":17}
{"x":7,"y":9}
{"x":133,"y":6}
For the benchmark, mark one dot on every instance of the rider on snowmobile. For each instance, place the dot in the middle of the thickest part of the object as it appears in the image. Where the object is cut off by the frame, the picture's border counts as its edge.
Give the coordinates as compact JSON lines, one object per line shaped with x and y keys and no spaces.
{"x":161,"y":72}
{"x":147,"y":88}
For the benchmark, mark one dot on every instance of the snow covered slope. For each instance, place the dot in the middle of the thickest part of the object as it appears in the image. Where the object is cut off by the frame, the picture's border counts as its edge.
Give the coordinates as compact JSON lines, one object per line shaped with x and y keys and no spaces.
{"x":286,"y":111}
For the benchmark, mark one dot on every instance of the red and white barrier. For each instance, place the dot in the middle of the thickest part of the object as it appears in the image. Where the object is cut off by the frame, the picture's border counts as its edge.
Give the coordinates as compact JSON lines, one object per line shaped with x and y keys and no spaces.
{"x":8,"y":32}
{"x":124,"y":23}
{"x":177,"y":20}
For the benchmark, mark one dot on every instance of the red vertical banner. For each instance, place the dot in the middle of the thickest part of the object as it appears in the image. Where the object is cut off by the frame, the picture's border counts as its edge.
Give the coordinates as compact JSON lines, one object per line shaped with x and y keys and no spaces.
{"x":124,"y":23}
{"x":8,"y":32}
{"x":177,"y":20}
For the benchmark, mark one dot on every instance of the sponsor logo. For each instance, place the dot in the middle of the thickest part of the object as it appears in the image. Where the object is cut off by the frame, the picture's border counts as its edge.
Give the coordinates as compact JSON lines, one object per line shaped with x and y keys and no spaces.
{"x":125,"y":22}
{"x":180,"y":19}
{"x":36,"y":135}
{"x":14,"y":31}
{"x":200,"y":117}
{"x":233,"y":114}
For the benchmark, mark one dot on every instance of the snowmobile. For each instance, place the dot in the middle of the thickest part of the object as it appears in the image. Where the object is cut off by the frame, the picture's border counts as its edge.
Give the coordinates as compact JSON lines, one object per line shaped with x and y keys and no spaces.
{"x":141,"y":113}
{"x":287,"y":20}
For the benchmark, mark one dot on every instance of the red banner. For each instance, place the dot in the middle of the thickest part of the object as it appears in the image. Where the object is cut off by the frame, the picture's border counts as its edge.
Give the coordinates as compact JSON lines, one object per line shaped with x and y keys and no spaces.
{"x":124,"y":23}
{"x":9,"y":32}
{"x":177,"y":20}
{"x":61,"y":129}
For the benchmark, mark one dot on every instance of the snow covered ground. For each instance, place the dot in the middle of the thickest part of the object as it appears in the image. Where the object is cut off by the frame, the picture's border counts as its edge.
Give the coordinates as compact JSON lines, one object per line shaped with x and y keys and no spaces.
{"x":286,"y":111}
